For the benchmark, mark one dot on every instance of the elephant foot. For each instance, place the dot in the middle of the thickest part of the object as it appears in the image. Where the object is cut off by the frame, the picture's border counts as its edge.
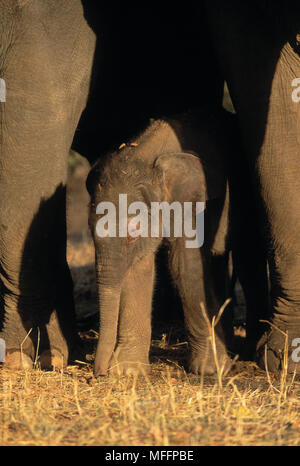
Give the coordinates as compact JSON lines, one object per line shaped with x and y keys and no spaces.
{"x":126,"y":362}
{"x":202,"y":360}
{"x":277,"y":351}
{"x":28,"y":337}
{"x":52,"y":359}
{"x":18,"y":361}
{"x":49,"y":360}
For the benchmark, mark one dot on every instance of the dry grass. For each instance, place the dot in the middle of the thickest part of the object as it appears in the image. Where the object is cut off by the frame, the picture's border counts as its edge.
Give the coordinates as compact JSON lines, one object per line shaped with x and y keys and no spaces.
{"x":168,"y":408}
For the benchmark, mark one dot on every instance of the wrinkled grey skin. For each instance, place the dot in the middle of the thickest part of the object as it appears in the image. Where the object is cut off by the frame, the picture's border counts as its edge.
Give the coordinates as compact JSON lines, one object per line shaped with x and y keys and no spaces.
{"x":172,"y":160}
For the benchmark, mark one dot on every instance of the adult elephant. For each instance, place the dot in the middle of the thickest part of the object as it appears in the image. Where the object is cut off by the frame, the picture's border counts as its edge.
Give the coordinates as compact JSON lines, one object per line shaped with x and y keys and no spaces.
{"x":135,"y":63}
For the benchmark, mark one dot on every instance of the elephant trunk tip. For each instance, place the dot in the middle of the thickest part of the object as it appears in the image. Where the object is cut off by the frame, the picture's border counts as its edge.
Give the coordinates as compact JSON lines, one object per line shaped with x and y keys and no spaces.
{"x":102,"y":361}
{"x":99,"y":372}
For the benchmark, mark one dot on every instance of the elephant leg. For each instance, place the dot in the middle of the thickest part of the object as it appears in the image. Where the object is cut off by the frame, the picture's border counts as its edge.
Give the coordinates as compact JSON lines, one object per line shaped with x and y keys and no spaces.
{"x":61,"y":328}
{"x":251,"y":270}
{"x":134,"y":329}
{"x":192,"y":273}
{"x":249,"y":256}
{"x":47,"y":78}
{"x":278,"y":169}
{"x":34,"y":303}
{"x":261,"y":64}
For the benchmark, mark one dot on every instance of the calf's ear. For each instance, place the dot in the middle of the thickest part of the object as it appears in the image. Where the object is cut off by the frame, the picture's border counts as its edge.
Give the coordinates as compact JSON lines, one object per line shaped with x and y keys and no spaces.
{"x":92,"y":181}
{"x":186,"y":178}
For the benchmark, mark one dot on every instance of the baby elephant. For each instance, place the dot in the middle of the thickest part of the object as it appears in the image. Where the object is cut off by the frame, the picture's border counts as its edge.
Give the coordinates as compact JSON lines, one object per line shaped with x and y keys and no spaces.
{"x":154,"y":190}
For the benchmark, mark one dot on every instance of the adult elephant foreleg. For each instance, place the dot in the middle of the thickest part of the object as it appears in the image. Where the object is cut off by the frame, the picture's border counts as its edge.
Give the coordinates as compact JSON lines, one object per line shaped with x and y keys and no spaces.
{"x":33,"y":240}
{"x":46,"y":88}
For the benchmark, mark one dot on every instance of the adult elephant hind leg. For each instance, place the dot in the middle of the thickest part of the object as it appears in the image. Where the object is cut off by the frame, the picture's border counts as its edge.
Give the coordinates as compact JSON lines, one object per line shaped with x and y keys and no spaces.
{"x":269,"y":119}
{"x":134,"y":329}
{"x":249,"y":255}
{"x":278,"y":167}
